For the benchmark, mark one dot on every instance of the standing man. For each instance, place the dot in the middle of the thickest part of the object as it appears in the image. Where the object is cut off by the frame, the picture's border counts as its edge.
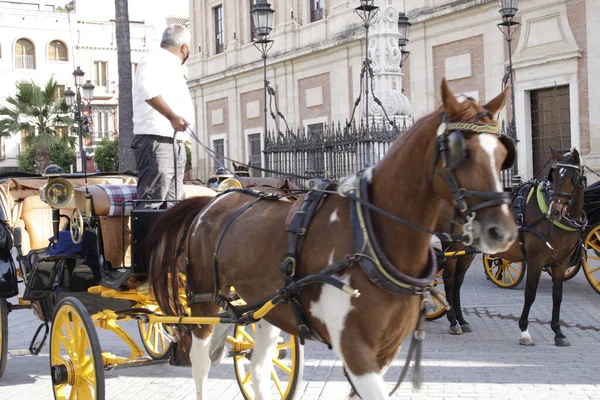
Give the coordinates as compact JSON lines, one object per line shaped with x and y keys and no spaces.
{"x":162,"y":105}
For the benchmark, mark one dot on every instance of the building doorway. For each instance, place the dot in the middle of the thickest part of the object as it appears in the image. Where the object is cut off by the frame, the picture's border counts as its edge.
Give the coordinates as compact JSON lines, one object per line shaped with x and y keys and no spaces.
{"x":550,"y":126}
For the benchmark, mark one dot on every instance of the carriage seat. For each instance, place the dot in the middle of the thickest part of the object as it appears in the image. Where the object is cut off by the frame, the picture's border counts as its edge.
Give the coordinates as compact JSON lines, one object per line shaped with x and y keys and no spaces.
{"x":107,"y":199}
{"x":36,"y":224}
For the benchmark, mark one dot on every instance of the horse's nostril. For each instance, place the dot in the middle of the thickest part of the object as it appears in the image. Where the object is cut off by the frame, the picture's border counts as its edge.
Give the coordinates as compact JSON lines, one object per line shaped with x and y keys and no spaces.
{"x":495,"y":233}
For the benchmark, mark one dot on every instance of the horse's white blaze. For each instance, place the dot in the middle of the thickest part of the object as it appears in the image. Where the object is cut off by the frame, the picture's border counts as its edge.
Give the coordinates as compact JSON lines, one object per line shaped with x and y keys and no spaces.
{"x":525,"y":335}
{"x":370,"y":386}
{"x":334,"y":216}
{"x":204,"y":211}
{"x":199,"y":356}
{"x":332,"y":308}
{"x":330,"y":260}
{"x":262,"y":355}
{"x":488,"y":143}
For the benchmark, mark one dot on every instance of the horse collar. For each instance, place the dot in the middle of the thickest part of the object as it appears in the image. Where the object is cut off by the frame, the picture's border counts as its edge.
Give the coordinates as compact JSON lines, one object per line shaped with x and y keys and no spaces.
{"x":373,"y":261}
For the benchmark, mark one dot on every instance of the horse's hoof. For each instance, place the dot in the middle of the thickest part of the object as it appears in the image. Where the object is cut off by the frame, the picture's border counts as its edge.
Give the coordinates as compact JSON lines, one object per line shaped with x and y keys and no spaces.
{"x":466,"y":328}
{"x":456,"y":330}
{"x":561,"y":342}
{"x":525,"y":341}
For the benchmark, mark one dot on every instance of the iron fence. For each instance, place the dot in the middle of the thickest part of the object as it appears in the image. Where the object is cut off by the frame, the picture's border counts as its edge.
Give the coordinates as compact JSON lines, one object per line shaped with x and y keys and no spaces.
{"x":333,"y":151}
{"x":328,"y":151}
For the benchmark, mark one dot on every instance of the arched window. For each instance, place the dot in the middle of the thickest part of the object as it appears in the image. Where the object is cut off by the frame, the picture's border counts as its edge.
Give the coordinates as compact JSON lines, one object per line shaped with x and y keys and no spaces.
{"x":57,"y":51}
{"x":24,"y":54}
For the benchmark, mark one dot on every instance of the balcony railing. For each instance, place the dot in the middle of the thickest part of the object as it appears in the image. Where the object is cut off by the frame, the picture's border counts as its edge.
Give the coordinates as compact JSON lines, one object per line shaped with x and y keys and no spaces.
{"x":25,"y":62}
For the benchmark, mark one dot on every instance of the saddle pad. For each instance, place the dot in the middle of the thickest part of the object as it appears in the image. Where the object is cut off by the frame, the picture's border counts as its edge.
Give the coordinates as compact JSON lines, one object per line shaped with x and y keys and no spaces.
{"x":117,"y":195}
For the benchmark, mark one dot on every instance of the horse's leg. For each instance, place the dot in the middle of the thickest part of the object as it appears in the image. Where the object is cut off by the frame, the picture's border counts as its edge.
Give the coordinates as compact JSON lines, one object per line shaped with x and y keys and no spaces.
{"x":558,"y":277}
{"x":360,"y":360}
{"x":200,"y":351}
{"x":261,"y":366}
{"x":534,"y":271}
{"x":450,"y":289}
{"x":462,"y":266}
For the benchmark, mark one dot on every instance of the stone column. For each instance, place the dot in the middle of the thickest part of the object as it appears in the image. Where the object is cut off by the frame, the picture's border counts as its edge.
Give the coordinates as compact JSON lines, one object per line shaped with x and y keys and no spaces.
{"x":385,"y":56}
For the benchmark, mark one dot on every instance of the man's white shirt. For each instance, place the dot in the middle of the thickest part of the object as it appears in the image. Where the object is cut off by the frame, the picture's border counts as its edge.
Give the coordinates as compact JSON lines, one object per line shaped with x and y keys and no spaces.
{"x":159,"y":73}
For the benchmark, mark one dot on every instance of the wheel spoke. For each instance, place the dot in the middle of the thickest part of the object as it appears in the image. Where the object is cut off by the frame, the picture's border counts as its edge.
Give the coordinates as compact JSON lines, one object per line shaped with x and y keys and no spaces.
{"x":284,"y":368}
{"x":246,"y":335}
{"x":591,"y":271}
{"x":595,"y":245}
{"x":277,"y":382}
{"x":247,"y":378}
{"x":284,"y":346}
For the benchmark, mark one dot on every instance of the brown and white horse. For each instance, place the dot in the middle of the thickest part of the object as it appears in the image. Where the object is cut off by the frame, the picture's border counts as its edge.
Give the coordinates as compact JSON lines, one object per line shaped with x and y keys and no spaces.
{"x":365,"y":332}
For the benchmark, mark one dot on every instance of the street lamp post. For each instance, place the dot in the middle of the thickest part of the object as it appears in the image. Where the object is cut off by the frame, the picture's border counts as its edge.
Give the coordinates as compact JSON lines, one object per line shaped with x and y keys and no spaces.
{"x":404,"y":31}
{"x":262,"y":16}
{"x":367,"y":11}
{"x":74,"y":101}
{"x":508,"y":27}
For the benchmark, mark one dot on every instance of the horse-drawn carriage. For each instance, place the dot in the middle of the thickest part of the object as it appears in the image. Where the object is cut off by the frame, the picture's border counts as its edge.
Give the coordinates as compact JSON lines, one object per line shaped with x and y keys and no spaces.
{"x":91,"y":273}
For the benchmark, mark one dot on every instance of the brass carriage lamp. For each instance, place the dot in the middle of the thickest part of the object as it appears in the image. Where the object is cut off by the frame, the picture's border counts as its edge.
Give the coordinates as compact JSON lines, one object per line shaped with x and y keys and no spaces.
{"x":88,"y":91}
{"x":508,"y":8}
{"x":262,"y":16}
{"x":404,"y":31}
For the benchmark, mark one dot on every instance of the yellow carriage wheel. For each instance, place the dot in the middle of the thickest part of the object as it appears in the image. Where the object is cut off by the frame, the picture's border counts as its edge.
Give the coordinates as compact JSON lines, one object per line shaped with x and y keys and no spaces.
{"x":287,"y":366}
{"x":591,"y":259}
{"x":156,"y":339}
{"x":436,"y":309}
{"x":570,"y":272}
{"x":76,"y":364}
{"x":502,"y":272}
{"x":3,"y":335}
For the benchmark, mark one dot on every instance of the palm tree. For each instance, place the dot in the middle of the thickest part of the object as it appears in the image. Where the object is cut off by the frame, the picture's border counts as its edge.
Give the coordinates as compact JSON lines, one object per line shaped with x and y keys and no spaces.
{"x":38,"y":116}
{"x":126,"y":161}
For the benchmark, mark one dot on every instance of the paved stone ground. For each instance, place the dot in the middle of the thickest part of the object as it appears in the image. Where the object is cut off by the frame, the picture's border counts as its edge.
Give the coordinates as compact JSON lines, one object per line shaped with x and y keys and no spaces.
{"x":486,"y":364}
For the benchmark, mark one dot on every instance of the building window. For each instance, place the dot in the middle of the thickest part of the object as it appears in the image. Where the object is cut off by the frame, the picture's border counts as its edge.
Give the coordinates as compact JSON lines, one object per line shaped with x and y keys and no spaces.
{"x":219,"y":37}
{"x":316,"y":10}
{"x":100,"y":68}
{"x":24,"y":54}
{"x":57,"y":51}
{"x":253,"y":35}
{"x":219,"y":149}
{"x":59,"y":93}
{"x":101,"y":127}
{"x":254,"y":152}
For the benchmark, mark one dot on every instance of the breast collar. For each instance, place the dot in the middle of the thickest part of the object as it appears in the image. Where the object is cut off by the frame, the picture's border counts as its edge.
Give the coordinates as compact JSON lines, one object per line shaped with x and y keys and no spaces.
{"x":374,"y":262}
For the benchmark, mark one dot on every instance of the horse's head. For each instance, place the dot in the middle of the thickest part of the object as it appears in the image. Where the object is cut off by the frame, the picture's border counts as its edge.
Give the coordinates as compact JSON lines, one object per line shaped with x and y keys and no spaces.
{"x":241,"y":170}
{"x":565,"y":176}
{"x":467,"y":160}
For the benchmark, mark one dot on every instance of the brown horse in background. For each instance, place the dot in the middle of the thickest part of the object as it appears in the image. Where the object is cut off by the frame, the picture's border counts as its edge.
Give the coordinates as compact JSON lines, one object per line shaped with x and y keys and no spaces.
{"x":365,"y":332}
{"x":566,"y":194}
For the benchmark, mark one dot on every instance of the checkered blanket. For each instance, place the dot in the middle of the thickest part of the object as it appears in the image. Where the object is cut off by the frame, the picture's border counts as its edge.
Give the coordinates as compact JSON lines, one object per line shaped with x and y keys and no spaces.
{"x":118,"y":194}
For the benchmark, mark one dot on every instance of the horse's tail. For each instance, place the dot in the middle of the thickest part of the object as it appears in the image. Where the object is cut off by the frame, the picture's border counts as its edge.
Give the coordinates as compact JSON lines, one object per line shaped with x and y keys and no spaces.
{"x":166,"y":251}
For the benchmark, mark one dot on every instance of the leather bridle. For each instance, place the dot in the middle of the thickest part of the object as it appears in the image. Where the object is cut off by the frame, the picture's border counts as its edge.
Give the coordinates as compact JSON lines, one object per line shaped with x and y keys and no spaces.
{"x":451,"y":145}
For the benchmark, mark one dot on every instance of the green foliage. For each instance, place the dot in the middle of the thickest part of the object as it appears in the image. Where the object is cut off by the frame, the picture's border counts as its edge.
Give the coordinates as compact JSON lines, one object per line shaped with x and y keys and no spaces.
{"x":106,"y":155}
{"x":35,"y":111}
{"x":61,"y":154}
{"x":188,"y":155}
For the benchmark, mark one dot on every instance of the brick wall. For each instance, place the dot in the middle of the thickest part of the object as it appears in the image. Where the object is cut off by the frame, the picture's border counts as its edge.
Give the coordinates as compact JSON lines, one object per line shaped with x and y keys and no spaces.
{"x":577,"y":21}
{"x":322,"y":110}
{"x":406,"y":77}
{"x":472,"y":46}
{"x":216,"y":128}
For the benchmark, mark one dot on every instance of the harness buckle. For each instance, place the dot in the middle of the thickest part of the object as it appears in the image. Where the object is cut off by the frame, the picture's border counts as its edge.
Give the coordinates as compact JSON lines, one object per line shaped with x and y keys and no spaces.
{"x":469,"y":229}
{"x":288,"y":266}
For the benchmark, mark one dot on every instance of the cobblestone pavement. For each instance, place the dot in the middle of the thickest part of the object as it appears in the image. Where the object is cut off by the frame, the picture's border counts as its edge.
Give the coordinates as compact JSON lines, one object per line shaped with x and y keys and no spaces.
{"x":488,"y":363}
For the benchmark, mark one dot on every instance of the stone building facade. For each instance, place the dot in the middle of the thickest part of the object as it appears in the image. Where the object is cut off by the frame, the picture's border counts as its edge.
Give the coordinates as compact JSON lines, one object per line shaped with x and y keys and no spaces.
{"x":317,"y":56}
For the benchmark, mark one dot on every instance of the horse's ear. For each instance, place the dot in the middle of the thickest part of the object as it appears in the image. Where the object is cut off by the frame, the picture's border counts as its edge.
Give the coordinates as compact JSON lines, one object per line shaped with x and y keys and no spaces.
{"x":235,"y":166}
{"x":449,"y":101}
{"x":496,"y":104}
{"x":556,"y":155}
{"x":576,"y":156}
